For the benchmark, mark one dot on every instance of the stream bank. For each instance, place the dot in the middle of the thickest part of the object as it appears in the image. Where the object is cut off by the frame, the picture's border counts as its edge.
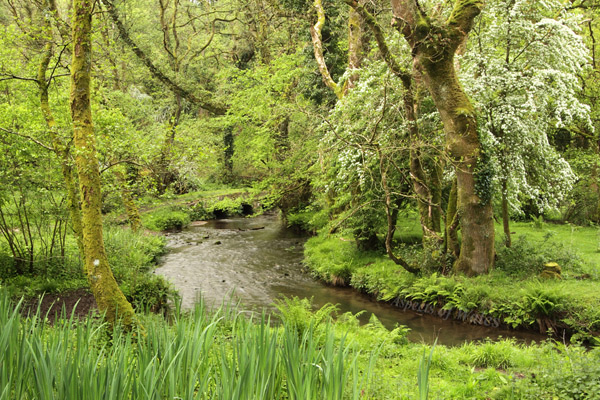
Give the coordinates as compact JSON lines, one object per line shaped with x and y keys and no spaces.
{"x":257,"y":260}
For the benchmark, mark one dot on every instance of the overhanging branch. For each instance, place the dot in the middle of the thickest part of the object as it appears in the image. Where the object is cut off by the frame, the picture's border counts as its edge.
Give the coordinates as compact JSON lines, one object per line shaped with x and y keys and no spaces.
{"x":203,"y":101}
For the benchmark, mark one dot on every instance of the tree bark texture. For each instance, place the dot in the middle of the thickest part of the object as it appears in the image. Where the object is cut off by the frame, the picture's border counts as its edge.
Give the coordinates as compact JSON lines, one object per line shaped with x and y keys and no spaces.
{"x":433,"y":48}
{"x":505,"y":214}
{"x":107,"y":293}
{"x":317,"y":39}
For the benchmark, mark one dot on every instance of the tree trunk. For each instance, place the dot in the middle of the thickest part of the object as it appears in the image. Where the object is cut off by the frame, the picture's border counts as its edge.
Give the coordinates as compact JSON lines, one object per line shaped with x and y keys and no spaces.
{"x":107,"y":293}
{"x":427,"y":187}
{"x":433,"y":48}
{"x":133,"y":213}
{"x":505,"y":216}
{"x":60,"y":149}
{"x":452,"y":220}
{"x":228,"y":152}
{"x":460,"y":124}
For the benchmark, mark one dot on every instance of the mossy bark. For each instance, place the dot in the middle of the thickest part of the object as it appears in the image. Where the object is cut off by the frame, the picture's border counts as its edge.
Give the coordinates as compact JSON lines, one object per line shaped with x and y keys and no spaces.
{"x":424,"y":186}
{"x":452,"y":247}
{"x":133,"y":213}
{"x":60,"y":148}
{"x":505,"y":214}
{"x":433,"y":48}
{"x":107,"y":293}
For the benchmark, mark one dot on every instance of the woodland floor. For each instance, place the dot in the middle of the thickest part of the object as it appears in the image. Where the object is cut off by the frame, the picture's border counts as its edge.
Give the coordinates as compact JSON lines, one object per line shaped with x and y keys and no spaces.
{"x":78,"y":301}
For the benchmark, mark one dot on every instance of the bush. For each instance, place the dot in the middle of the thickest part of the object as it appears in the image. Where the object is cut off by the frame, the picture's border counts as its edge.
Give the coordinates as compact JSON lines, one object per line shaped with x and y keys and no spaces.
{"x":165,"y":219}
{"x":492,"y":354}
{"x":298,"y":313}
{"x":526,"y":258}
{"x":149,"y":293}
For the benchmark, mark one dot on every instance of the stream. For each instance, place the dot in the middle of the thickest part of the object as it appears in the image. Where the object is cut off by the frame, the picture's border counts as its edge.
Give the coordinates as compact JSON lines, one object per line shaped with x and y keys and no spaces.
{"x":257,"y":260}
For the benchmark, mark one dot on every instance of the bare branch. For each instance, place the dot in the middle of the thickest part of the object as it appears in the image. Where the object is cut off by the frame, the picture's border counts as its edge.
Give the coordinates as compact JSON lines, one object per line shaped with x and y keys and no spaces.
{"x":34,"y":140}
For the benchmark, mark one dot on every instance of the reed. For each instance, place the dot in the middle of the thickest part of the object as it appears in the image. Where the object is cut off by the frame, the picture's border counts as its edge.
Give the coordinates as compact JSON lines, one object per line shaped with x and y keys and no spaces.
{"x":220,"y":354}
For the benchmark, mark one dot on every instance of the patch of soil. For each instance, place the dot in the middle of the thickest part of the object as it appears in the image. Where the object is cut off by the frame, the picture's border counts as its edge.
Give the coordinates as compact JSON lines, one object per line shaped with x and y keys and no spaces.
{"x":78,"y":301}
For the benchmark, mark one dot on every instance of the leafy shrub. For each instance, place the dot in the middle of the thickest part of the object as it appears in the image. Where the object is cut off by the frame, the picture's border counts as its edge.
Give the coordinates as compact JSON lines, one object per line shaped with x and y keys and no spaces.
{"x":165,"y":219}
{"x":466,"y":299}
{"x":572,"y":373}
{"x":526,"y":258}
{"x":308,"y":219}
{"x":227,"y":206}
{"x":433,"y":289}
{"x":198,"y":212}
{"x":544,"y":300}
{"x":298,"y":313}
{"x":149,"y":293}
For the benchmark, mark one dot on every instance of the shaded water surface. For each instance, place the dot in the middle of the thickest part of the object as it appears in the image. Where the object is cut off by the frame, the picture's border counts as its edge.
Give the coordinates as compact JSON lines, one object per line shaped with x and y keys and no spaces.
{"x":260,"y":260}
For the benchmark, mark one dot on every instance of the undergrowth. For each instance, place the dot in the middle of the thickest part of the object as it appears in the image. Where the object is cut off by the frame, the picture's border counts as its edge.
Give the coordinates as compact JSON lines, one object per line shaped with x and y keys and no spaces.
{"x":229,"y":354}
{"x":513,"y":292}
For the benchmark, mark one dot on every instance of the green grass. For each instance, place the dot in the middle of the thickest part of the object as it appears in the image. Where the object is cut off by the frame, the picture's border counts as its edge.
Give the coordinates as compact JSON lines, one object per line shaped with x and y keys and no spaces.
{"x":583,"y":240}
{"x":223,"y":354}
{"x":219,"y":355}
{"x":512,"y":292}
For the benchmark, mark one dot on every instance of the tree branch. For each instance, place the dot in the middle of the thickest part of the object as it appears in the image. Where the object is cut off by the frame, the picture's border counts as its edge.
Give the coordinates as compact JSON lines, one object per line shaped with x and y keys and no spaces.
{"x":20,"y":78}
{"x":315,"y":33}
{"x":203,"y":102}
{"x":34,"y":140}
{"x":112,"y":164}
{"x":462,"y":16}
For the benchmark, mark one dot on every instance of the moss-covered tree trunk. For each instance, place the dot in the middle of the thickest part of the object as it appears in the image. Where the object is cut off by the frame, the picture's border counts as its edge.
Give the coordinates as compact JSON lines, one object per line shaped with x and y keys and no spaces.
{"x":433,"y":48}
{"x":60,"y":148}
{"x":505,"y":214}
{"x":107,"y":293}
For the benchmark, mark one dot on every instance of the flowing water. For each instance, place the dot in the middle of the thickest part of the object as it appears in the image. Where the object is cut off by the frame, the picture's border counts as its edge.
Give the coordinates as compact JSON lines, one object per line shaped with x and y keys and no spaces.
{"x":259,"y":260}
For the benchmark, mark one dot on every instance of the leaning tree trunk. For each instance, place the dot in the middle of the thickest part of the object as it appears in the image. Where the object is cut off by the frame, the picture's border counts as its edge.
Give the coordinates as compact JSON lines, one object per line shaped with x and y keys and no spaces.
{"x":433,"y":48}
{"x":107,"y":293}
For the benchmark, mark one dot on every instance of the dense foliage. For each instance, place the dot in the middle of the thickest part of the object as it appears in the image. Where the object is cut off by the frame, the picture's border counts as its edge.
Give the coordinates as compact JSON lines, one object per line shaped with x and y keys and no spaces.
{"x":400,"y":134}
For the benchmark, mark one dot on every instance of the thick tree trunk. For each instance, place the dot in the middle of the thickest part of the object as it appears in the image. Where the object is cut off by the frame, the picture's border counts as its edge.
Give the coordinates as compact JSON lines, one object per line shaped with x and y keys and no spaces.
{"x":462,"y":140}
{"x":107,"y":293}
{"x":433,"y":48}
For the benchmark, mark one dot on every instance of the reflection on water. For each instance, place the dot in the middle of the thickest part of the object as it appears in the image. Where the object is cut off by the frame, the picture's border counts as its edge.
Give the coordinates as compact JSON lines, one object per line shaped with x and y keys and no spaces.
{"x":260,"y":260}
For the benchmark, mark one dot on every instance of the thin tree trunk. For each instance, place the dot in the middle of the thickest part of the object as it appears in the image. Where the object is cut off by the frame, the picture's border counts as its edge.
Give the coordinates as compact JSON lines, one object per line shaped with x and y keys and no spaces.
{"x":133,"y":213}
{"x":452,"y":221}
{"x":60,"y":149}
{"x":107,"y":293}
{"x":427,"y":189}
{"x":505,"y":216}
